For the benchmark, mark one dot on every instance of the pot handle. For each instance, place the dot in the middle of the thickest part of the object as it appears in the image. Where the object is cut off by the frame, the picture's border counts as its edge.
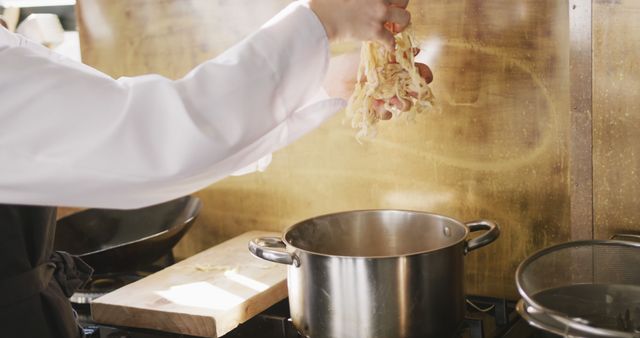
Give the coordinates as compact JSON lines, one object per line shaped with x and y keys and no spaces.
{"x":493,"y":232}
{"x":261,"y":248}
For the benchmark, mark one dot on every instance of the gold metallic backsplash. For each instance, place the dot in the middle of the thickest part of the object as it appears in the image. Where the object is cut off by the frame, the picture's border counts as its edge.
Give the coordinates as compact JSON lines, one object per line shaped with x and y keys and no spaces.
{"x":616,"y":118}
{"x":497,"y":147}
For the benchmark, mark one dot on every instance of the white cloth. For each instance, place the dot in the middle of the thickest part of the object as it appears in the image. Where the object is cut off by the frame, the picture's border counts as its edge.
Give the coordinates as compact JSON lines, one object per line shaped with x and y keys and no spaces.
{"x":72,"y":136}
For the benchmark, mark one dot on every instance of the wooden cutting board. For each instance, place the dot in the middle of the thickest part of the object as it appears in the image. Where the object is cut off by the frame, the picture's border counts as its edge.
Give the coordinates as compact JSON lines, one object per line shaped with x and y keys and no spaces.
{"x":206,"y":295}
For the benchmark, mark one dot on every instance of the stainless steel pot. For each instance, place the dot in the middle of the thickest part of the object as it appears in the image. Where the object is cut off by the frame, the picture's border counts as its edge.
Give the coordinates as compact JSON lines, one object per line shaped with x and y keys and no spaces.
{"x":376,"y":273}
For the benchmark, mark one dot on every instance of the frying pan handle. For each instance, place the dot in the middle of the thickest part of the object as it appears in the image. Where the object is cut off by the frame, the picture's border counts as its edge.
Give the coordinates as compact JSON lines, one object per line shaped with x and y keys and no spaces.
{"x":261,"y":248}
{"x":493,"y":232}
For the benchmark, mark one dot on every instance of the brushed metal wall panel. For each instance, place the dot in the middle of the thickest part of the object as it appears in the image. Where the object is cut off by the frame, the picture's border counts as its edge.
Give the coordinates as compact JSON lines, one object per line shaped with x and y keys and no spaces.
{"x":581,"y":137}
{"x":616,"y":116}
{"x":168,"y":37}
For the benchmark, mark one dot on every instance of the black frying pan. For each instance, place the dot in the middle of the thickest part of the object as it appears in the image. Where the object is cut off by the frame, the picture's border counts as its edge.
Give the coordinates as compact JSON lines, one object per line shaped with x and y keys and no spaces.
{"x":114,"y":241}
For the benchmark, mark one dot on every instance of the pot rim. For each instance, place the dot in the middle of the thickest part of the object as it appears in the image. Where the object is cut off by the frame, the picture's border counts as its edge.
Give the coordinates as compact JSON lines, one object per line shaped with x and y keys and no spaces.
{"x":453,"y":220}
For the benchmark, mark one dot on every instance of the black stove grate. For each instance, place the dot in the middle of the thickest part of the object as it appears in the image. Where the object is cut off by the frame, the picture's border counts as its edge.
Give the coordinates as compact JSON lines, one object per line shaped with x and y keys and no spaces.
{"x":498,"y":315}
{"x":486,"y":318}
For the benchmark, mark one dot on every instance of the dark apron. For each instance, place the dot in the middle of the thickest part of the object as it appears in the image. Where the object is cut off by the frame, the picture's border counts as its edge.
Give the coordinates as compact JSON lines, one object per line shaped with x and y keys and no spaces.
{"x":35,"y":281}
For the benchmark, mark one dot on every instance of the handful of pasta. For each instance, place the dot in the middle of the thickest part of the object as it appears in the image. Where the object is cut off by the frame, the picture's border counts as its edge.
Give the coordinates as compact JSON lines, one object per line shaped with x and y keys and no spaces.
{"x":390,"y":85}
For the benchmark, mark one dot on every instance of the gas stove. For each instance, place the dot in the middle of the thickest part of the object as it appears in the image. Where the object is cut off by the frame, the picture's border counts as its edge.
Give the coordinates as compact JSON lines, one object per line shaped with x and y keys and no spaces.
{"x":486,"y":317}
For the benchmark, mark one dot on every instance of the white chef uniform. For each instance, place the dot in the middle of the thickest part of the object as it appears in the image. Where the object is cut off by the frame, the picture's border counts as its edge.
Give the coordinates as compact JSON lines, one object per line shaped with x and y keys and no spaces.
{"x":72,"y":136}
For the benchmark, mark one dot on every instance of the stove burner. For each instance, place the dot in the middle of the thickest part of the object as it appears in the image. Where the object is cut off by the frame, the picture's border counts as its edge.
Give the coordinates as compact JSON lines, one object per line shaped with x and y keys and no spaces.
{"x":486,"y":318}
{"x":102,"y":284}
{"x":111,"y":282}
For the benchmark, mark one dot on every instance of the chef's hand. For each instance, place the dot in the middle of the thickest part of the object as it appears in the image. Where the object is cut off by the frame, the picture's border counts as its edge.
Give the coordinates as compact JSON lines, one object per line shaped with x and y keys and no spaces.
{"x":375,"y":20}
{"x":341,"y":79}
{"x":401,"y":104}
{"x":3,"y":23}
{"x":362,"y":19}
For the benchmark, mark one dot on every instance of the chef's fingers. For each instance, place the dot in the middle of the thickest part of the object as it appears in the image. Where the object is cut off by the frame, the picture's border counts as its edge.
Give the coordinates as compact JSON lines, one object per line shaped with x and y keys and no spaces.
{"x":398,"y":3}
{"x":389,"y":26}
{"x":400,"y":104}
{"x":385,"y":37}
{"x":425,"y":72}
{"x":399,"y":18}
{"x":381,"y":111}
{"x":392,"y":56}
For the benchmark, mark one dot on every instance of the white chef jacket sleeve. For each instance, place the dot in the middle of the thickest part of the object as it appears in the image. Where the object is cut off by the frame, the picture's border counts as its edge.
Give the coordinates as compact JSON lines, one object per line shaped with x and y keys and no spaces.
{"x":72,"y":136}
